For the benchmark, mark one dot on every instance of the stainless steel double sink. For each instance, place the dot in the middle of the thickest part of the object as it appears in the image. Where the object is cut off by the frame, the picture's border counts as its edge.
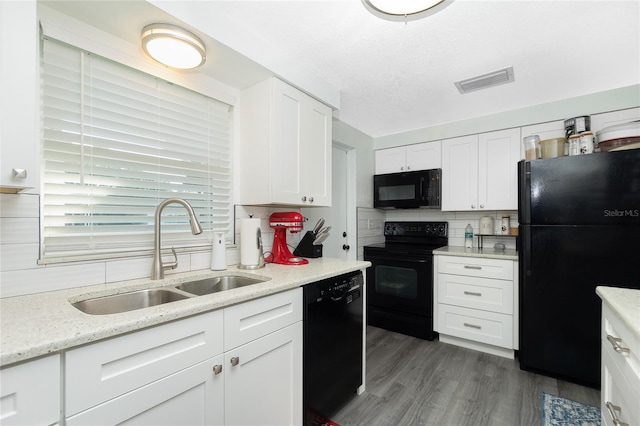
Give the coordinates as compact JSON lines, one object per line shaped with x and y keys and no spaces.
{"x":124,"y":302}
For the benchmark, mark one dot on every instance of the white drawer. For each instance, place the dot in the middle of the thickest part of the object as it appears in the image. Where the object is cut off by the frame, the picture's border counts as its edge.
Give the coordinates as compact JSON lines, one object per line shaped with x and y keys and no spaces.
{"x":619,"y":390}
{"x":473,"y":324}
{"x":477,"y":293}
{"x":100,"y":371}
{"x":256,"y":318}
{"x":476,"y":267}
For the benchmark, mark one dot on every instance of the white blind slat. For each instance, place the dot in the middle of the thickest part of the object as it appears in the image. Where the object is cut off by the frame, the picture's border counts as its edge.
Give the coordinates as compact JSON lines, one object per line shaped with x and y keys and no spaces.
{"x":116,"y":143}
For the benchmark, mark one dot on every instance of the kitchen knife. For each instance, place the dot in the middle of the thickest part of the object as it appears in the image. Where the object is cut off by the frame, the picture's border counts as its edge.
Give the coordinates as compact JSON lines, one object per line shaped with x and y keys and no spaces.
{"x":325,"y":229}
{"x":319,"y":225}
{"x":320,"y":238}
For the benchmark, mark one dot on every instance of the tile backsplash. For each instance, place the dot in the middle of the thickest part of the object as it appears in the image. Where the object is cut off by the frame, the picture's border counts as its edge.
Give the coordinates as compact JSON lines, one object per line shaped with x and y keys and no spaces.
{"x":19,"y":252}
{"x":20,"y":230}
{"x":371,"y":221}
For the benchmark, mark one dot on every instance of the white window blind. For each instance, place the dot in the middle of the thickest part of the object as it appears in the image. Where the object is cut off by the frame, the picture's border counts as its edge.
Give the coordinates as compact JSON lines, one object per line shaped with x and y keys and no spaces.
{"x":117,"y":142}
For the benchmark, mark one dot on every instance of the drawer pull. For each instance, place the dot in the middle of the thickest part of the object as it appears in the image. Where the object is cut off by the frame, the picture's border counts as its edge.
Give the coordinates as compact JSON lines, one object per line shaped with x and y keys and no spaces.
{"x":617,"y":345}
{"x":613,"y":412}
{"x":217,"y":369}
{"x":473,"y":267}
{"x":466,"y":324}
{"x":472,"y":293}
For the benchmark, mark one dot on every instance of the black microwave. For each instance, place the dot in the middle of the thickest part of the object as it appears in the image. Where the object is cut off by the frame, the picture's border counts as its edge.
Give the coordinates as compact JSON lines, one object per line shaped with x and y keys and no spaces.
{"x":408,"y":190}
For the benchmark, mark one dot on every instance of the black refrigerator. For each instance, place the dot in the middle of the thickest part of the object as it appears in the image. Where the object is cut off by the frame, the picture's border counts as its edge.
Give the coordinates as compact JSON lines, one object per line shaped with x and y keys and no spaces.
{"x":579,"y":227}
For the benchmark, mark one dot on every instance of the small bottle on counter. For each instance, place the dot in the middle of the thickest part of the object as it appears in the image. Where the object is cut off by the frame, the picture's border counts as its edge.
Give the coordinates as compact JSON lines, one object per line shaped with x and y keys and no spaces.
{"x":505,"y":226}
{"x":468,"y":236}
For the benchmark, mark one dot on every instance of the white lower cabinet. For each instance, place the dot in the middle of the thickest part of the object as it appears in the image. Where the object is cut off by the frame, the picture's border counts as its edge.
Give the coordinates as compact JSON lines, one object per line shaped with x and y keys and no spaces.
{"x":620,"y":387}
{"x":475,"y":303}
{"x":30,"y":392}
{"x":240,"y":365}
{"x":194,"y":396}
{"x":263,"y":380}
{"x":263,"y":361}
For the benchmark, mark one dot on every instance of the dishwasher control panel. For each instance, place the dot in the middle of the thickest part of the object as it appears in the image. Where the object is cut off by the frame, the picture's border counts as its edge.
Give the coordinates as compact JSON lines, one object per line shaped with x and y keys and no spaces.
{"x":334,"y":287}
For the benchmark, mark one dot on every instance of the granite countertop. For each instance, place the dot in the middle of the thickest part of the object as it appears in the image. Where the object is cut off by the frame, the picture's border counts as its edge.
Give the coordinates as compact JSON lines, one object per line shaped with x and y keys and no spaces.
{"x":44,"y":323}
{"x":625,"y":303}
{"x":486,"y":253}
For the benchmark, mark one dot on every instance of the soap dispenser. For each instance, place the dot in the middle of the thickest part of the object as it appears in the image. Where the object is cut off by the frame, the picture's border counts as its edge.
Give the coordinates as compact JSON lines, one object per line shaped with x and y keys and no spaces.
{"x":218,"y":254}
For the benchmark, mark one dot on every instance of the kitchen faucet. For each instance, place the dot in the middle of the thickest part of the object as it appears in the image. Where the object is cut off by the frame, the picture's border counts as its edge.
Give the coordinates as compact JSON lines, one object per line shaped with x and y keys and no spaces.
{"x":157,"y":267}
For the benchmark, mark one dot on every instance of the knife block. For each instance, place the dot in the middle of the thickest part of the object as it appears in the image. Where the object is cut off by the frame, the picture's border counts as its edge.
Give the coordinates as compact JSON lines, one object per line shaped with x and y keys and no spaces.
{"x":306,"y":248}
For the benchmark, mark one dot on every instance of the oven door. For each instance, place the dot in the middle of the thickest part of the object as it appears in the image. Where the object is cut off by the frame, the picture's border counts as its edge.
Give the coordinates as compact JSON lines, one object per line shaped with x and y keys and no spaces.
{"x":401,"y":284}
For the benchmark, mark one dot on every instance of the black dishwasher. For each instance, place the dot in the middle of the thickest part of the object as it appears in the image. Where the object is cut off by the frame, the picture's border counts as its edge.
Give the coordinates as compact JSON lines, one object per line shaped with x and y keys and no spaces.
{"x":333,"y":338}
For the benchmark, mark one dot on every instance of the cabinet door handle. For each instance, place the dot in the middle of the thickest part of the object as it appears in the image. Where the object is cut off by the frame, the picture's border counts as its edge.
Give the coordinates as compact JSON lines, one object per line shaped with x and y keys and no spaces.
{"x":473,"y":267}
{"x":473,"y":206}
{"x":613,"y":409}
{"x":466,"y":324}
{"x":217,"y":369}
{"x":304,"y":198}
{"x":235,"y":361}
{"x":482,"y":206}
{"x":472,"y":293}
{"x":311,"y":199}
{"x":617,"y":345}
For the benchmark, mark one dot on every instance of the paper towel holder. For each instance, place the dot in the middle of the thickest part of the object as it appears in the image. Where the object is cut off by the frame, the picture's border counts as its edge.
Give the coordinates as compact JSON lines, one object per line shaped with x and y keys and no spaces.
{"x":261,"y":263}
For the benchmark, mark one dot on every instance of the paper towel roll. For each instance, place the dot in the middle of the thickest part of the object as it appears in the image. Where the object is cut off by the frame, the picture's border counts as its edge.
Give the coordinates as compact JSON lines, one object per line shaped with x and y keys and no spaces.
{"x":249,"y":249}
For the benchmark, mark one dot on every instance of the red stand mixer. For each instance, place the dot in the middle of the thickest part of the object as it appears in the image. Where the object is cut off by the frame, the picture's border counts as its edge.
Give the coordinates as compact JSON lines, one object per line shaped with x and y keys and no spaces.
{"x":280,"y":222}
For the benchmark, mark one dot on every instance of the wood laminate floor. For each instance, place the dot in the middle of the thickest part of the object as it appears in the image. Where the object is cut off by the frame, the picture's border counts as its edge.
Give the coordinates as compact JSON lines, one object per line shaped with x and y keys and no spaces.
{"x":416,"y":382}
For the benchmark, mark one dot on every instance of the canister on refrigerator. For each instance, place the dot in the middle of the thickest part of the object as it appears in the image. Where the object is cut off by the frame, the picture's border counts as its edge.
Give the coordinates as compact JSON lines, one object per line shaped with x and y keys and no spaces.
{"x":574,"y":145}
{"x":531,"y":144}
{"x":577,"y":125}
{"x":587,"y":143}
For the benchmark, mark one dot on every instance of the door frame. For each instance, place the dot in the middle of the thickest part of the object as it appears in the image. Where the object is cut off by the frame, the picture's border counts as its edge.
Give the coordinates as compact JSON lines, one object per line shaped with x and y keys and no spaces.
{"x":351,"y":207}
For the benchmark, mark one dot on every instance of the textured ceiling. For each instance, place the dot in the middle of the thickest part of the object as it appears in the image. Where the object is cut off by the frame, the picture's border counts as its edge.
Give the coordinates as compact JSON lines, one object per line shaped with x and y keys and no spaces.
{"x":395,"y":76}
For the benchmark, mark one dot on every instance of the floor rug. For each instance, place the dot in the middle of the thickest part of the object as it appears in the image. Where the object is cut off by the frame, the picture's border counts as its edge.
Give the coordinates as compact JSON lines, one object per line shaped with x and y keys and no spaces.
{"x":558,"y":411}
{"x":316,"y":419}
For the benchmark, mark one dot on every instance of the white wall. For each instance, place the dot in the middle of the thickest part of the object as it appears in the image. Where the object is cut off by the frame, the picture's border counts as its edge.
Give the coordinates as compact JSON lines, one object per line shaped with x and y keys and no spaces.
{"x":363,"y":144}
{"x":611,"y":100}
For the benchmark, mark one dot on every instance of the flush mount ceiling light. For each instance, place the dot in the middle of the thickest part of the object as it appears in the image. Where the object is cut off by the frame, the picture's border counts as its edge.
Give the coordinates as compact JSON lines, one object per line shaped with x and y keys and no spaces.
{"x":173,"y":46}
{"x":402,"y":7}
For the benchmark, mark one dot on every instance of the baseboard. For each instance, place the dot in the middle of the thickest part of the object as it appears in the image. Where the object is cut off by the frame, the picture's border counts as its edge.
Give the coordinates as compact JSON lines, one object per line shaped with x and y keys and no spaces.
{"x":482,"y":347}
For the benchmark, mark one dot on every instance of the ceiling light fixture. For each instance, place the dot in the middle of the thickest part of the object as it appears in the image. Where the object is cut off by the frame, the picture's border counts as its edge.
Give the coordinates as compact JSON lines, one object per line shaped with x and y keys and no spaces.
{"x":173,"y":46}
{"x":402,"y":7}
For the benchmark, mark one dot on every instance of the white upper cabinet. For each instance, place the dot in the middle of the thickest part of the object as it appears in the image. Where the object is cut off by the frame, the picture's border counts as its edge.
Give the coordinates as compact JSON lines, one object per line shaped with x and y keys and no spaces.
{"x":19,"y":165}
{"x":479,"y":172}
{"x":422,"y":156}
{"x":284,"y":153}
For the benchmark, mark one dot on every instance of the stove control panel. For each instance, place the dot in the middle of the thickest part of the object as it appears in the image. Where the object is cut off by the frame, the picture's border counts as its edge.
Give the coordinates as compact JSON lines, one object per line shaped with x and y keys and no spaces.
{"x":416,"y":229}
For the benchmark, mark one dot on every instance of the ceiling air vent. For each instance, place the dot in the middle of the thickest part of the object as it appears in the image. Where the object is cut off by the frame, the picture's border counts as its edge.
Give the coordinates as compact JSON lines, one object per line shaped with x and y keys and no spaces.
{"x":485,"y":81}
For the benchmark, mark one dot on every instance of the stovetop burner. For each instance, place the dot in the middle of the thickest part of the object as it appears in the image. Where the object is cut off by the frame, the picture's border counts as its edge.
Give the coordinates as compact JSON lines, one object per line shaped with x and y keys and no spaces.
{"x":412,"y":238}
